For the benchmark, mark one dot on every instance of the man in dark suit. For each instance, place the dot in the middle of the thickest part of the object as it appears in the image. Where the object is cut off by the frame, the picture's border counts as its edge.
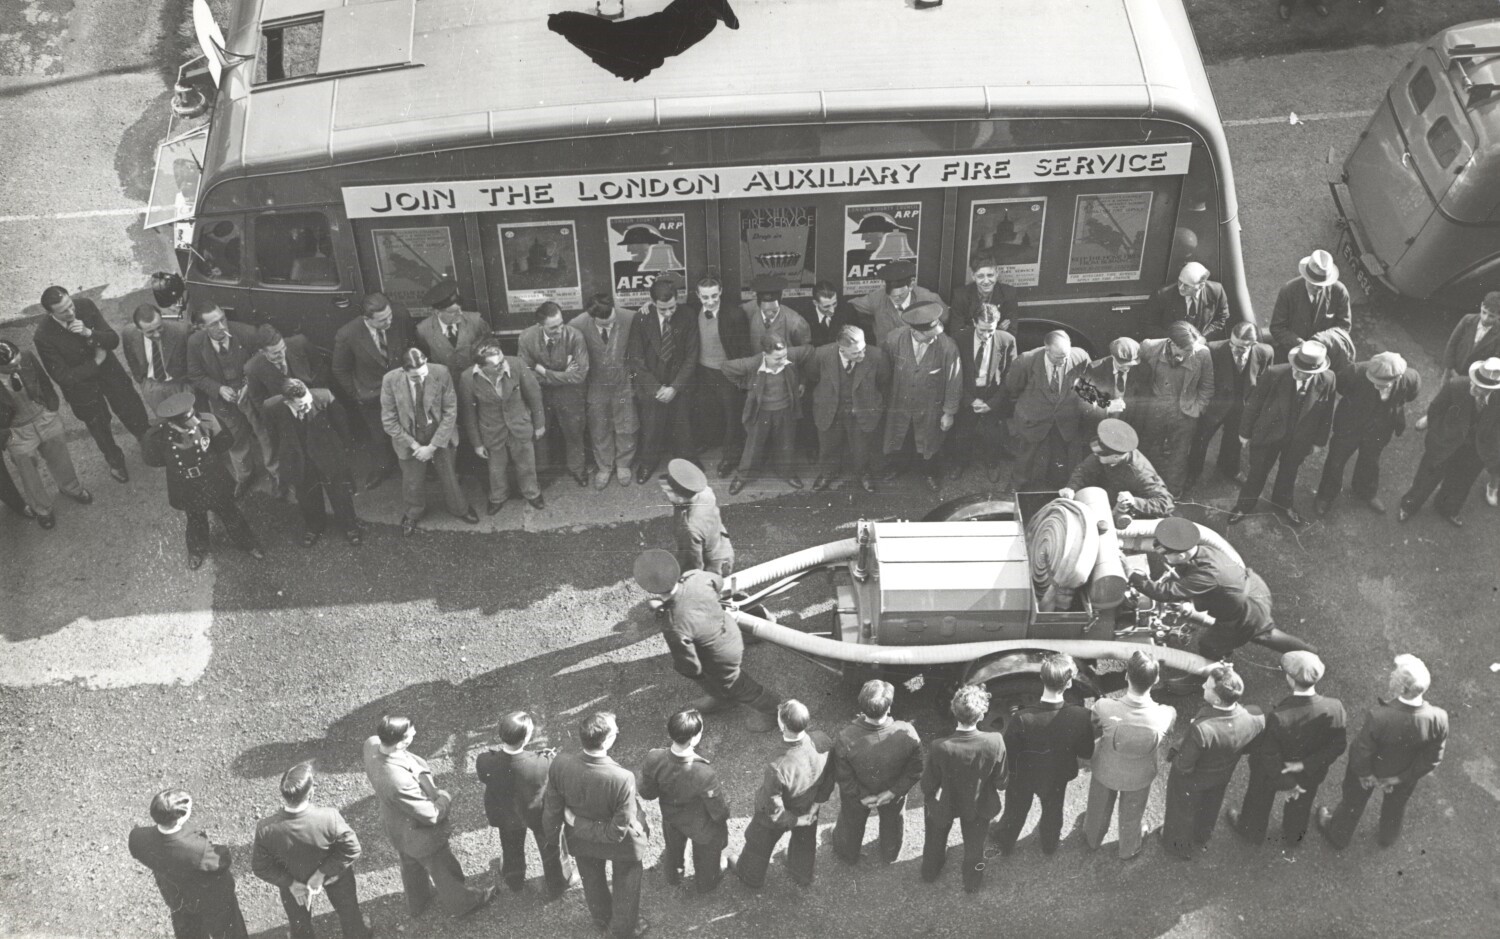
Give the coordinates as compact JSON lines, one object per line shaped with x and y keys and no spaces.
{"x":964,"y":775}
{"x":1044,"y":742}
{"x":1309,"y":304}
{"x":1239,"y":364}
{"x":1401,"y":741}
{"x":305,"y":849}
{"x":985,"y":353}
{"x":415,"y":815}
{"x":1372,"y":408}
{"x":191,"y":446}
{"x":311,"y":436}
{"x":1463,"y":437}
{"x":279,"y":359}
{"x":1205,"y":762}
{"x":1304,"y":735}
{"x":156,"y":351}
{"x":850,"y":381}
{"x":719,"y":404}
{"x":1051,"y":422}
{"x":364,"y":349}
{"x":451,"y":334}
{"x":1195,"y":300}
{"x":1288,"y":416}
{"x":985,"y":290}
{"x":877,"y":759}
{"x":693,"y":804}
{"x":926,"y":392}
{"x":515,"y":783}
{"x":592,"y":799}
{"x":1475,"y":338}
{"x":662,"y":354}
{"x":217,"y":355}
{"x":798,"y":779}
{"x":191,"y":872}
{"x":829,"y":315}
{"x":76,"y":347}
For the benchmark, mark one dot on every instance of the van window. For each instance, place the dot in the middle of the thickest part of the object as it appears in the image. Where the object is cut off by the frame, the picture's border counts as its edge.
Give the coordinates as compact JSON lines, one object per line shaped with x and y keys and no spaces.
{"x":1444,"y":141}
{"x":218,"y":249}
{"x":295,"y":249}
{"x":1422,"y":90}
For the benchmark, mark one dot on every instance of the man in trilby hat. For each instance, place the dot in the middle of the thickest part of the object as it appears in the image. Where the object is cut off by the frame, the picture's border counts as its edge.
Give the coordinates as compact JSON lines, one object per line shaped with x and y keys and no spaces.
{"x":1289,"y":415}
{"x":1309,"y":304}
{"x":1463,"y":437}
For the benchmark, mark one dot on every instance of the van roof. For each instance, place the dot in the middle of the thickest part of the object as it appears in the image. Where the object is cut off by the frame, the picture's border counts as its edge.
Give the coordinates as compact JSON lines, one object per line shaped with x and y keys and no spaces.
{"x":492,"y":72}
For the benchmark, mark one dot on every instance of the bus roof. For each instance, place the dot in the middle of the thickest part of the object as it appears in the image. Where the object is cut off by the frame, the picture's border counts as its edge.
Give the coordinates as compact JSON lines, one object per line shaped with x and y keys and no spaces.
{"x":492,"y":72}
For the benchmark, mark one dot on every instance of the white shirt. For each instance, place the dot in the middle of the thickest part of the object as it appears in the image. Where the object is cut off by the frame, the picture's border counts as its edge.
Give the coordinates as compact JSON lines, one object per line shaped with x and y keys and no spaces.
{"x":378,"y":335}
{"x":1479,"y":331}
{"x":504,"y":373}
{"x":919,"y":345}
{"x":984,"y":348}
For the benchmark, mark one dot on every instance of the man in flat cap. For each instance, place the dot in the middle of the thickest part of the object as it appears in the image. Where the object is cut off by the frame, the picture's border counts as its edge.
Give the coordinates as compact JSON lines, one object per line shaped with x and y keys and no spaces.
{"x":704,"y":639}
{"x":1115,"y":465}
{"x":1235,"y":598}
{"x":773,"y":403}
{"x":1463,"y":437}
{"x":1401,"y":740}
{"x":661,"y":358}
{"x":558,"y":355}
{"x":191,"y":447}
{"x":1304,"y":735}
{"x":451,"y":334}
{"x":766,"y":315}
{"x":1177,"y":382}
{"x":1309,"y":304}
{"x":881,"y":311}
{"x":702,"y":542}
{"x":1288,"y":416}
{"x":1204,"y":764}
{"x":1239,"y":364}
{"x":192,"y":873}
{"x":850,"y":383}
{"x":1192,"y":299}
{"x":926,"y":389}
{"x":1111,"y":378}
{"x":1052,"y":420}
{"x":1372,"y":408}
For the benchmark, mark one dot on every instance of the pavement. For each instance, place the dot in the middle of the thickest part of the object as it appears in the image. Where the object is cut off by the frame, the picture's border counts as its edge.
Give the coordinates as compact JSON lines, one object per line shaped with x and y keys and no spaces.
{"x":123,"y":672}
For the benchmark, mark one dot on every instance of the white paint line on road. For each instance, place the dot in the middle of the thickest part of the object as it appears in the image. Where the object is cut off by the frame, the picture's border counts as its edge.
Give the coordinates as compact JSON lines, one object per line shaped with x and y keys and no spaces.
{"x":1301,"y":118}
{"x":145,"y":649}
{"x":59,"y":216}
{"x":1482,"y":773}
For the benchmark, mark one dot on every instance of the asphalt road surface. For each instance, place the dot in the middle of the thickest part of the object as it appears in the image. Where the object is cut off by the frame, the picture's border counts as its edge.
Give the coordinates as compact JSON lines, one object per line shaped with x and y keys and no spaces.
{"x":122,"y":672}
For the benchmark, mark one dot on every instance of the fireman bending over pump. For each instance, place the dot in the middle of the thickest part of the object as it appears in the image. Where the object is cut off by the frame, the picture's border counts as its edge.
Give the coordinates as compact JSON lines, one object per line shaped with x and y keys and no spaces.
{"x":1235,"y":597}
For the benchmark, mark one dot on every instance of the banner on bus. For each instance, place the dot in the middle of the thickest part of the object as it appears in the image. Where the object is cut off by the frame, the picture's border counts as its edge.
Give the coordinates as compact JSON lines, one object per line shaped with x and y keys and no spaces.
{"x":725,"y":182}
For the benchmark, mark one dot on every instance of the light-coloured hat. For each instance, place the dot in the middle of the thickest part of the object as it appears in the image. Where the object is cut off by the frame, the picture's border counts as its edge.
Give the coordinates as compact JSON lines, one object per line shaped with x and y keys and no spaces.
{"x":1318,"y":269}
{"x":1304,"y":668}
{"x":1117,"y":436}
{"x":1486,"y":374}
{"x":1125,"y":350}
{"x":1309,"y":356}
{"x":1387,"y":366}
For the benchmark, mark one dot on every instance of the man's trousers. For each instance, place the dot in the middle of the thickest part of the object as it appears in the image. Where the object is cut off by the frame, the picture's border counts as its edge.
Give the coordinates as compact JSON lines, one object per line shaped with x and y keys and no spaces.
{"x":761,"y":838}
{"x":557,"y":866}
{"x":849,"y":830}
{"x":1018,"y":796}
{"x":1452,"y":477}
{"x":343,"y":896}
{"x":440,"y":874}
{"x":935,"y":847}
{"x":414,"y":484}
{"x":614,"y":900}
{"x":1101,"y":806}
{"x":1352,"y":804}
{"x":1191,"y":816}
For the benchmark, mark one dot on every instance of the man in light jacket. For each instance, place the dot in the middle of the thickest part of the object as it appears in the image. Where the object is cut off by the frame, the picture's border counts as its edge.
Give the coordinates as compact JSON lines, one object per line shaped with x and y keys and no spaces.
{"x":1128,"y":732}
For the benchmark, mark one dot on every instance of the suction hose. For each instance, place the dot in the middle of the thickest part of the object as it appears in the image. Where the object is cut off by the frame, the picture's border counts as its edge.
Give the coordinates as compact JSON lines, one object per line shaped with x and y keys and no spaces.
{"x":808,"y":558}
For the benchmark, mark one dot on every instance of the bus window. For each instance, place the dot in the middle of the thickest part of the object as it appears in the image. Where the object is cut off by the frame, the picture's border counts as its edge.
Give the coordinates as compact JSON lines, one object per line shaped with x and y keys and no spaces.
{"x":289,"y":50}
{"x":219,"y":250}
{"x":1444,"y":141}
{"x":295,"y":249}
{"x":1422,"y":89}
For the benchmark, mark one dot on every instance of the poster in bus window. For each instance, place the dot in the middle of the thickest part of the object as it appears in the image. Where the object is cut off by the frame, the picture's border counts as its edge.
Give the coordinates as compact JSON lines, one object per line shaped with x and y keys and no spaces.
{"x":541,"y":264}
{"x":641,"y":249}
{"x":1109,"y":237}
{"x":874,"y":236}
{"x":1010,"y":230}
{"x":778,"y":240}
{"x":411,"y":261}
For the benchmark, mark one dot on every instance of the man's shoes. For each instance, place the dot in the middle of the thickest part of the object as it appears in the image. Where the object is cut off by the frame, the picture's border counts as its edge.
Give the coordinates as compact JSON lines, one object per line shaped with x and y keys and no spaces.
{"x":120,"y":473}
{"x":932,"y":482}
{"x":1402,"y":512}
{"x":195,"y":561}
{"x":1322,"y":507}
{"x":311,"y":538}
{"x":581,"y":479}
{"x":256,"y":553}
{"x":1293,"y":518}
{"x":243,"y":486}
{"x":622,"y":475}
{"x":1285,"y":12}
{"x":1376,"y":505}
{"x":736,"y":485}
{"x":601,"y":479}
{"x":379,"y":476}
{"x":1454,"y":520}
{"x":867,"y":484}
{"x":485,"y":899}
{"x":470,"y":517}
{"x":1421,"y":421}
{"x":725,"y":467}
{"x":643,"y":473}
{"x":540,"y":502}
{"x":1492,"y":494}
{"x":46,"y":520}
{"x":495,"y":507}
{"x":820,"y":484}
{"x":1236,"y":517}
{"x":794,"y":481}
{"x":408,"y":526}
{"x":354,"y":537}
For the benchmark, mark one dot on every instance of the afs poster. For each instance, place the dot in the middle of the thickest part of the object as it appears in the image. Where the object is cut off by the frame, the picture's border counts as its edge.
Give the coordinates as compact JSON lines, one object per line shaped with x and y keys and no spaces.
{"x":1011,"y":230}
{"x":541,"y":264}
{"x":874,"y":236}
{"x":411,"y":261}
{"x":1109,"y":237}
{"x":778,"y":240}
{"x":642,"y":248}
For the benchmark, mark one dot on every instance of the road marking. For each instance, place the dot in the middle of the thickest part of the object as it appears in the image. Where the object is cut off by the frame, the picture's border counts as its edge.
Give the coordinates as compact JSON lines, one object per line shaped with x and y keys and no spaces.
{"x":1301,"y":118}
{"x":1482,"y":773}
{"x":145,"y":649}
{"x":87,"y":213}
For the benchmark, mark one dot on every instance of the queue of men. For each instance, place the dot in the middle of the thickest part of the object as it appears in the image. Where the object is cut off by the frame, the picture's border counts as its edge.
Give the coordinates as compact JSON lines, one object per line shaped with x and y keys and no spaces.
{"x":586,"y":813}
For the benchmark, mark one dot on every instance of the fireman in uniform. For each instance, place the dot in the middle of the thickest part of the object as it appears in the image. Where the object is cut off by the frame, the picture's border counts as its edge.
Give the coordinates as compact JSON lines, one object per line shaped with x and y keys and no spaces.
{"x":1120,"y":469}
{"x":704,"y":639}
{"x":1236,"y":599}
{"x":702,"y":542}
{"x":191,"y":447}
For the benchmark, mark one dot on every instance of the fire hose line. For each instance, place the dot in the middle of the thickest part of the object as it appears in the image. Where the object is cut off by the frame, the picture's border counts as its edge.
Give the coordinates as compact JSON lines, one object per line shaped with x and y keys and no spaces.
{"x":1063,"y":547}
{"x":751,"y":577}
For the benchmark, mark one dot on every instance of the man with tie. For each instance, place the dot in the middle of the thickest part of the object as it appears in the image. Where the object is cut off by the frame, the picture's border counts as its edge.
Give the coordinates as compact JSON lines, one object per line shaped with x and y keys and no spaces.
{"x":962,"y":781}
{"x":1193,"y":299}
{"x":926,"y":390}
{"x":882,"y":311}
{"x":850,"y":382}
{"x":280,"y":358}
{"x":1176,"y":384}
{"x":719,"y":404}
{"x":985,"y":290}
{"x":500,"y":406}
{"x":32,"y":433}
{"x":1110,"y":378}
{"x":986,"y":353}
{"x":76,"y":347}
{"x":556,"y":353}
{"x":217,"y":355}
{"x":1205,"y":762}
{"x":829,"y":315}
{"x":192,"y":873}
{"x":1475,"y":338}
{"x":1309,"y":304}
{"x":765,"y":315}
{"x":1463,"y":437}
{"x":156,"y":351}
{"x":1401,"y":741}
{"x":365,"y":349}
{"x":311,"y":437}
{"x":1287,"y":417}
{"x":609,"y":395}
{"x":661,"y":357}
{"x":419,"y":410}
{"x":1051,"y":420}
{"x":1239,"y":364}
{"x":1373,"y":396}
{"x":451,"y":334}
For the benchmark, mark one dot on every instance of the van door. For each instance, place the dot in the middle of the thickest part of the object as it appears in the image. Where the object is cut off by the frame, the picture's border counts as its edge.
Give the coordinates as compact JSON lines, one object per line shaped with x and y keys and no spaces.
{"x":302,"y":274}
